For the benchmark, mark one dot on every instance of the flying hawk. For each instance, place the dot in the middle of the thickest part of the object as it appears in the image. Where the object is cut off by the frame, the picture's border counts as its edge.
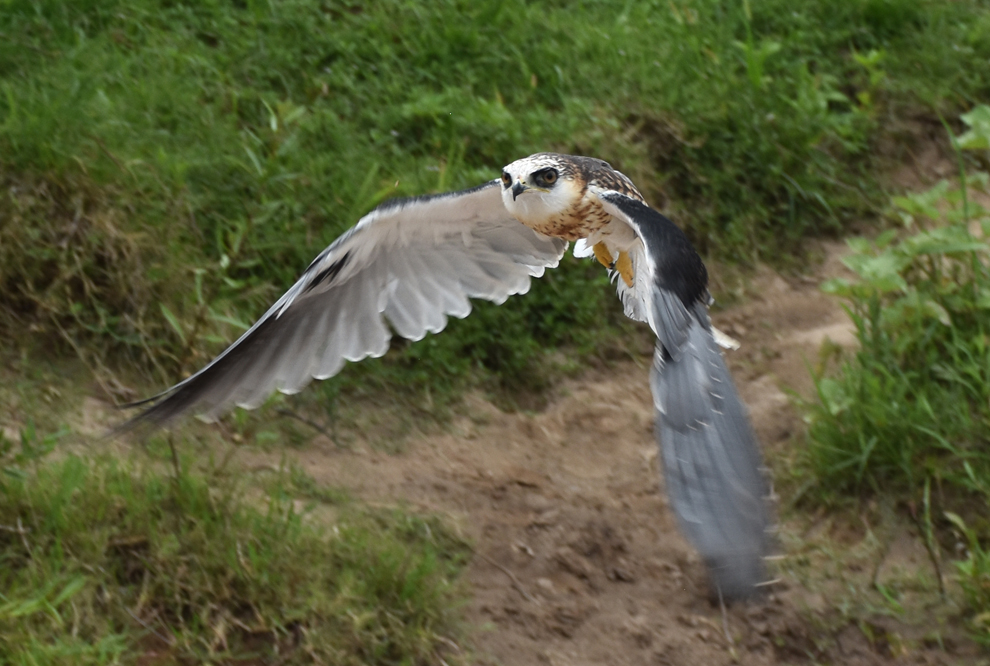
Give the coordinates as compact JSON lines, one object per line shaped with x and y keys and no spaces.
{"x":414,"y":262}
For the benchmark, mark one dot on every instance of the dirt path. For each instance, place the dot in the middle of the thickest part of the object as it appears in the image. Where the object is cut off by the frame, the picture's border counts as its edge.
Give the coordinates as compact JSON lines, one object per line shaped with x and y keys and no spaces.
{"x":578,"y":560}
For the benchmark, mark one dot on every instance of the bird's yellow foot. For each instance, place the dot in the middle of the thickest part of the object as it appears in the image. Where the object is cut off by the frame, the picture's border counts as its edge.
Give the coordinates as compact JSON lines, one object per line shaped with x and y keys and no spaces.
{"x":625,"y":268}
{"x":623,"y":264}
{"x":603,"y":256}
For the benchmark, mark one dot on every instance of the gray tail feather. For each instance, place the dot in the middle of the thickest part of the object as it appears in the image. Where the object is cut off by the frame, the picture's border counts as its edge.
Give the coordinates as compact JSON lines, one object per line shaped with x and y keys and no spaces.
{"x":712,"y":463}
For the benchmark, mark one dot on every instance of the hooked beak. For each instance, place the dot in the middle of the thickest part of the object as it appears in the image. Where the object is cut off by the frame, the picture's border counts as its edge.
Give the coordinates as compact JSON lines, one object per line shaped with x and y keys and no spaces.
{"x":518,"y":189}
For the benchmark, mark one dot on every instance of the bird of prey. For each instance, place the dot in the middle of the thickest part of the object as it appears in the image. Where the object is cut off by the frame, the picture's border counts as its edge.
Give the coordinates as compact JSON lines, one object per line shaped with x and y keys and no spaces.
{"x":416,"y":261}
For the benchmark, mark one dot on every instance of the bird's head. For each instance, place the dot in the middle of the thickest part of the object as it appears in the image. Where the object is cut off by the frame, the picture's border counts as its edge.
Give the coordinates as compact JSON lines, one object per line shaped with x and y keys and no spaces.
{"x":541,"y":186}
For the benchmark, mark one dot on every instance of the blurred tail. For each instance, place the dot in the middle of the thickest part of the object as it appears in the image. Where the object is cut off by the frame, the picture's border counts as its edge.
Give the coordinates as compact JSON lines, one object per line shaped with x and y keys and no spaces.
{"x":712,"y":464}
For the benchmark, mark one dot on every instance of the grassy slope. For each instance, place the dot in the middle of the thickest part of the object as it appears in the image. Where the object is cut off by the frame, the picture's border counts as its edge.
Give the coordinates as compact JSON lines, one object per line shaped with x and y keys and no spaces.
{"x":170,"y":167}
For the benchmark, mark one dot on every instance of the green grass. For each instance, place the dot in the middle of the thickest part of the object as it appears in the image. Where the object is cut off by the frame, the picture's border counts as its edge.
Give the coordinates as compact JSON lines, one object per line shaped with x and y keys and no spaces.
{"x":109,"y":562}
{"x":908,"y":416}
{"x":169,"y":168}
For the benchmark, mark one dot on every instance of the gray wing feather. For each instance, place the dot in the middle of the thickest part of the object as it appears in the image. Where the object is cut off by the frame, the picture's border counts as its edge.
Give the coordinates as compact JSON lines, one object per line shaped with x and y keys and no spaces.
{"x":670,"y":320}
{"x":413,"y":262}
{"x":712,"y":463}
{"x":711,"y":460}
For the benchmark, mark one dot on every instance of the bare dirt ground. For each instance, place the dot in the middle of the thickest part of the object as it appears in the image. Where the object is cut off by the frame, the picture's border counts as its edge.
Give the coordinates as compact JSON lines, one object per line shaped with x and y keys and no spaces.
{"x":577,"y":558}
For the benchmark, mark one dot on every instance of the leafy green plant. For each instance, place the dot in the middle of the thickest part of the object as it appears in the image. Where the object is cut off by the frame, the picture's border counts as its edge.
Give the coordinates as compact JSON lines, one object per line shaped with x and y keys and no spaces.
{"x":920,"y":380}
{"x":911,"y":409}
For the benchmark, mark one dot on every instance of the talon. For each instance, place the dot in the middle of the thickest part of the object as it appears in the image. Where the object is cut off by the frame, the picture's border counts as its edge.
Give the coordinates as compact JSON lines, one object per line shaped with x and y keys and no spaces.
{"x":624,"y":265}
{"x":603,"y":256}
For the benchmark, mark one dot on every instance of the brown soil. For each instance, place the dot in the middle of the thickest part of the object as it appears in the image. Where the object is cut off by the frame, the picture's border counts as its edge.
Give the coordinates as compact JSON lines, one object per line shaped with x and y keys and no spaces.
{"x":577,"y":558}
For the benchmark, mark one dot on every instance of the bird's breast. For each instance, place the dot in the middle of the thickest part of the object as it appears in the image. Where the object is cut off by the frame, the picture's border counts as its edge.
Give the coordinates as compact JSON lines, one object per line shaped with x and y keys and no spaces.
{"x":582,"y":219}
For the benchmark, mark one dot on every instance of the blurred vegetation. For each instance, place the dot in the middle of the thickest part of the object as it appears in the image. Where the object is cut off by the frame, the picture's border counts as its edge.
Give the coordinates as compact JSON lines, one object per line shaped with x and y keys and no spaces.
{"x":107,"y":562}
{"x":908,"y":415}
{"x":168,"y":168}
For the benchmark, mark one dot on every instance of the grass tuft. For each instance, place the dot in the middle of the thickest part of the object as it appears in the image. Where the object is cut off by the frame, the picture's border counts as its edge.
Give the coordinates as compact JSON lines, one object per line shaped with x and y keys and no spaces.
{"x":106,"y":562}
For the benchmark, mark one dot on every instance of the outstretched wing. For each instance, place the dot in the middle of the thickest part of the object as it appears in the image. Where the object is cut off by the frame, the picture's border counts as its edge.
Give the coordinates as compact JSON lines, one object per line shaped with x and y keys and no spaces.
{"x":712,"y":464}
{"x":412,"y":261}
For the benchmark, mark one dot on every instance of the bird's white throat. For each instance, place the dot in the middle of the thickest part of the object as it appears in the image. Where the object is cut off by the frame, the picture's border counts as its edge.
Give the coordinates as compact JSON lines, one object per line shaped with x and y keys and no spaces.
{"x":535,"y":206}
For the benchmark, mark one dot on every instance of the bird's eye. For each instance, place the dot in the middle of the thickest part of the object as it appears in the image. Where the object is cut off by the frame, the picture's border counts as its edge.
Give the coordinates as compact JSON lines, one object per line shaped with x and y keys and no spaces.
{"x":546,"y":177}
{"x":506,"y":179}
